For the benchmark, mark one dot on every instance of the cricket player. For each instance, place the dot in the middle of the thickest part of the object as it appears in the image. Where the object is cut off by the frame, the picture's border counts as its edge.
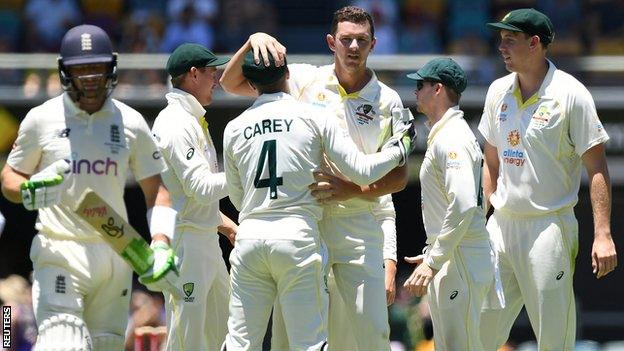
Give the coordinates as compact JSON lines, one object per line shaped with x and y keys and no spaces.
{"x":85,"y":139}
{"x":541,"y":127}
{"x":198,"y":322}
{"x":358,"y":225}
{"x":271,"y":152}
{"x":457,"y":269}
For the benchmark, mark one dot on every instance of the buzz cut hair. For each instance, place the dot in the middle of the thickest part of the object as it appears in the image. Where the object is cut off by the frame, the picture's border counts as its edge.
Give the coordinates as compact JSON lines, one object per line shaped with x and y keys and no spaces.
{"x":352,"y":14}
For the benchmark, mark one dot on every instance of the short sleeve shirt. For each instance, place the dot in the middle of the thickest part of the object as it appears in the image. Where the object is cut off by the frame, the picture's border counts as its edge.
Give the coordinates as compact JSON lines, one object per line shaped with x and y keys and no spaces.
{"x":540,"y":141}
{"x":365,"y":115}
{"x":101,"y":148}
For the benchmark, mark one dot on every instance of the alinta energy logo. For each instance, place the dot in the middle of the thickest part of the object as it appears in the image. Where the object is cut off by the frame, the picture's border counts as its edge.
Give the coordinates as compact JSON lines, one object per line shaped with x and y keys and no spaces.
{"x":514,"y":157}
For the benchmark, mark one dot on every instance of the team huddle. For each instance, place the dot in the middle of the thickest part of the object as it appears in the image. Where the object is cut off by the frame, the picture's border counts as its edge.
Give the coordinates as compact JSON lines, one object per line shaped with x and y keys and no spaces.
{"x":311,"y":167}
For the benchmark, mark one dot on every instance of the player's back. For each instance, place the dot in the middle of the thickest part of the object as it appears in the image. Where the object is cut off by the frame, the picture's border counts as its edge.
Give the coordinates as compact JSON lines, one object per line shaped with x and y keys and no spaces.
{"x":271,"y":151}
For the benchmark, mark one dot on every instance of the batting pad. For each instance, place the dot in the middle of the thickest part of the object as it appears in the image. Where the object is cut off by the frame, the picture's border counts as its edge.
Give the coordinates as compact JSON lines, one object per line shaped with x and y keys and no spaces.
{"x":63,"y":332}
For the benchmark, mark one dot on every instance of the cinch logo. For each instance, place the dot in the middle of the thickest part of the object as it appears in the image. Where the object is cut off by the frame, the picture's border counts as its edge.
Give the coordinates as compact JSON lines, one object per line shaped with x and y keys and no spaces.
{"x":513,"y":157}
{"x":98,"y":167}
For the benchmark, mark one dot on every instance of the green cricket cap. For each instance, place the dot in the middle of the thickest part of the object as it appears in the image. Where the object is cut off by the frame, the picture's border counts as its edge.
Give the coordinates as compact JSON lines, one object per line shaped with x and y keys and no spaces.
{"x":443,"y":70}
{"x":259,"y":73}
{"x":529,"y":21}
{"x":189,"y":55}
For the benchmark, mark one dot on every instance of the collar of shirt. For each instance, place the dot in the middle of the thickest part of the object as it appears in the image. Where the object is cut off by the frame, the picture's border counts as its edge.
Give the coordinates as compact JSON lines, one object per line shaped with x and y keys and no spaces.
{"x":539,"y":94}
{"x":453,"y":112}
{"x":370,"y":92}
{"x":264,"y":98}
{"x":73,"y":110}
{"x":188,"y":102}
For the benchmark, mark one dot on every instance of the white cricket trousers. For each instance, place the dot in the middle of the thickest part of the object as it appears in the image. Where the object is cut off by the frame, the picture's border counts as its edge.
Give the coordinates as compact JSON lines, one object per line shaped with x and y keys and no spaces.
{"x":290,"y":272}
{"x":456,"y":296}
{"x":84,"y":279}
{"x":355,"y":245}
{"x":536,"y":261}
{"x":198,"y":321}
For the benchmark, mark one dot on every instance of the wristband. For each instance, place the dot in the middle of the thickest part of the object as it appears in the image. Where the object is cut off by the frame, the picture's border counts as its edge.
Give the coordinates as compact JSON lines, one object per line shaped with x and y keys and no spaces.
{"x":162,"y":220}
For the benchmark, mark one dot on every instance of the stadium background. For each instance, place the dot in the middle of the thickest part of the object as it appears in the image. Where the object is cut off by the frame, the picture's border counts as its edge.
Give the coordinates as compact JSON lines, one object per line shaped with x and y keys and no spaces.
{"x":589,"y":44}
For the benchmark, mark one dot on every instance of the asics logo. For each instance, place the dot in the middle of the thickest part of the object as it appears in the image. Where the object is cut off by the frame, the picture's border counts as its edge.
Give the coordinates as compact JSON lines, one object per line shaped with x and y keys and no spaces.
{"x":454,"y":294}
{"x":98,"y":167}
{"x":560,"y":275}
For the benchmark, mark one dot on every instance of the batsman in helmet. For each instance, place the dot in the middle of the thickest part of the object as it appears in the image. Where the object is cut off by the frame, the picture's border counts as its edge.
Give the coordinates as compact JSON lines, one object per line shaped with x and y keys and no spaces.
{"x":80,"y":140}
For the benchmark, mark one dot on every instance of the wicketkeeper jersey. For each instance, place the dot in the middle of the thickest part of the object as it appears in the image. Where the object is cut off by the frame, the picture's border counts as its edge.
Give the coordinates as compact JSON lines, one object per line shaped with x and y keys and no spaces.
{"x":272,"y":149}
{"x":192,"y":176}
{"x":365,"y":115}
{"x":101,"y":147}
{"x":540,"y":141}
{"x":450,"y":178}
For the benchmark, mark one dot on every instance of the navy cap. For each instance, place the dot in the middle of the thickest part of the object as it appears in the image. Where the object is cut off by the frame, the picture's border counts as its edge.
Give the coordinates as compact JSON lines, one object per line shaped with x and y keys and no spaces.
{"x":444,"y":70}
{"x":86,"y":44}
{"x":259,"y":73}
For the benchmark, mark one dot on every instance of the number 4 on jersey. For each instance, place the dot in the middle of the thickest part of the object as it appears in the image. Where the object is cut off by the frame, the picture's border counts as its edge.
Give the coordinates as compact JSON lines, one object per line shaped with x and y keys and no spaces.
{"x":273,"y":181}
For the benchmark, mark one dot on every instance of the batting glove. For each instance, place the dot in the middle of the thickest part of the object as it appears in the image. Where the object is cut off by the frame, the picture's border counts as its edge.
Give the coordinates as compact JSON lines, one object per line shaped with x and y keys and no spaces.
{"x":44,"y":189}
{"x":164,"y":271}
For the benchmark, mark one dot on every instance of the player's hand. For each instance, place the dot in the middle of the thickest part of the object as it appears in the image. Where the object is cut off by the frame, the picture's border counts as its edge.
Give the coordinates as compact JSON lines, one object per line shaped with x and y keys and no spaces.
{"x":44,"y":188}
{"x":604,"y":256}
{"x":405,"y":136}
{"x":418,"y":282}
{"x":390,"y":274}
{"x":164,"y":271}
{"x":265,"y":44}
{"x":328,"y":188}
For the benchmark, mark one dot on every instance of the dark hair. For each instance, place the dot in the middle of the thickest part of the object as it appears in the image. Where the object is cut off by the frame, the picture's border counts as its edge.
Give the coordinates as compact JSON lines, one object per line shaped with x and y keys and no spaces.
{"x":352,"y":14}
{"x":271,"y":88}
{"x":452,"y":95}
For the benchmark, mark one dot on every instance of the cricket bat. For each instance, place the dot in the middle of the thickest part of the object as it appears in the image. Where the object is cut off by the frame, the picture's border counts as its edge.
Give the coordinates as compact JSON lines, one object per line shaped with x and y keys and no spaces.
{"x":116,"y":231}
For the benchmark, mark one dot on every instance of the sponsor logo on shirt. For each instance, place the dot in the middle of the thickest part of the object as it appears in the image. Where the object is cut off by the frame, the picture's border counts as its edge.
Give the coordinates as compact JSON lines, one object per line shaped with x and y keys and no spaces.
{"x":59,"y":285}
{"x":97,"y":167}
{"x":156,"y":155}
{"x":559,"y":275}
{"x":452,"y":162}
{"x":454,"y":295}
{"x":190,"y":153}
{"x":541,"y":117}
{"x":320,"y":96}
{"x":503,"y":116}
{"x":115,"y":139}
{"x":514,"y":157}
{"x":363,"y":112}
{"x":64,"y":133}
{"x":513,"y":138}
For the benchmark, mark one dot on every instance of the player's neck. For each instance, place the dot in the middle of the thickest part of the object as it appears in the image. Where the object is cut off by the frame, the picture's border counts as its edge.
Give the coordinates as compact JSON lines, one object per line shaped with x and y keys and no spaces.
{"x":438,"y":112}
{"x":352,"y":81}
{"x":531,"y":79}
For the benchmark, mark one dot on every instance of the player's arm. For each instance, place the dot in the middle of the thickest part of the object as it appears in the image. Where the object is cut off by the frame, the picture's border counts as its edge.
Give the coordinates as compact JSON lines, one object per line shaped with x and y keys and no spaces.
{"x":389,"y":279}
{"x":490,"y":172}
{"x":233,"y":80}
{"x":11,"y":181}
{"x":161,"y":217}
{"x":604,"y":256}
{"x":329,"y":187}
{"x":232,"y":176}
{"x":185,"y":157}
{"x":228,"y":227}
{"x":460,"y":179}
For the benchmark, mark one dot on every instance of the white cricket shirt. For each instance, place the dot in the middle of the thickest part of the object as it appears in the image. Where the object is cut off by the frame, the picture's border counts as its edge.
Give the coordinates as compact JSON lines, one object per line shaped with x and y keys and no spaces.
{"x":101,"y":147}
{"x":450,"y":178}
{"x":365,"y":115}
{"x":540,"y":141}
{"x":271,"y":150}
{"x":192,"y":176}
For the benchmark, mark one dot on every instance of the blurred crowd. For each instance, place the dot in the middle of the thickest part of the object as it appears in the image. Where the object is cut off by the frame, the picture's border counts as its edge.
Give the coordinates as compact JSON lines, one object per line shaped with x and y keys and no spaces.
{"x":402,"y":26}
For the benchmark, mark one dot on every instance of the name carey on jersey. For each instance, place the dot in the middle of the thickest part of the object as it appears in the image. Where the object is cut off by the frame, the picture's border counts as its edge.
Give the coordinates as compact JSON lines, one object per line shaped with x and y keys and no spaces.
{"x":267,"y":126}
